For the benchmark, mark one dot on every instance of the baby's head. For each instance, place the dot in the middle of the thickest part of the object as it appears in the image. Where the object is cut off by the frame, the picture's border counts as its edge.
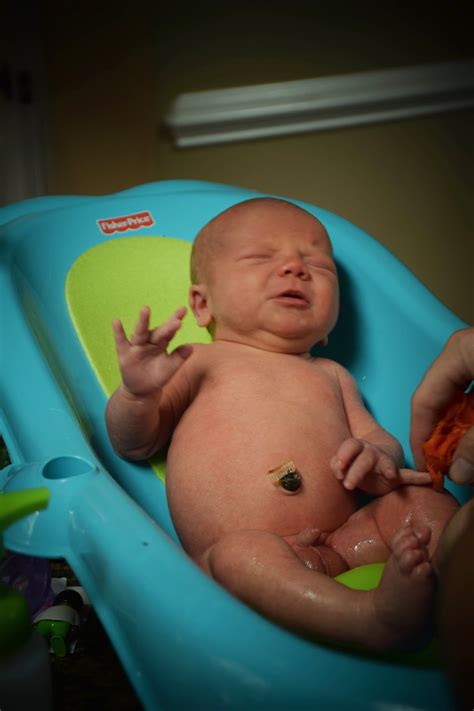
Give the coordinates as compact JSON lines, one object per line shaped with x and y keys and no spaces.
{"x":263,"y":274}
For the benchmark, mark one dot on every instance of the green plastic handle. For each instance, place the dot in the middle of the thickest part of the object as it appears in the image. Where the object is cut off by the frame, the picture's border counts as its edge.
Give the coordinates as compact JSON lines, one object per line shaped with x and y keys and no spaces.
{"x":16,"y":504}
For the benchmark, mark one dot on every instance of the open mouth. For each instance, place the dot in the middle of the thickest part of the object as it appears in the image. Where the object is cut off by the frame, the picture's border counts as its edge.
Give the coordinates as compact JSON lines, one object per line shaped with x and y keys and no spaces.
{"x":293,"y":296}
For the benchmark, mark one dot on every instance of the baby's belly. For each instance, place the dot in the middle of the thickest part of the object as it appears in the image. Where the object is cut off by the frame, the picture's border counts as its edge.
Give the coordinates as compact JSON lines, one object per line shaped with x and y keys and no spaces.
{"x":218,"y":481}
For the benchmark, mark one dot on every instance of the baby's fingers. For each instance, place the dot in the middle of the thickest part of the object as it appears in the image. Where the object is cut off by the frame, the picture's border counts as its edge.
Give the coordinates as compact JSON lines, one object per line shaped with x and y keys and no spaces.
{"x":364,"y":464}
{"x":141,"y":333}
{"x":121,"y":340}
{"x":387,"y":468}
{"x":163,"y":334}
{"x":346,"y":454}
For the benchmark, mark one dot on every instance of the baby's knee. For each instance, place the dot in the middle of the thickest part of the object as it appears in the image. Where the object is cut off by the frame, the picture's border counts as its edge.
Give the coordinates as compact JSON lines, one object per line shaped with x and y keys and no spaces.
{"x":416,"y":505}
{"x":430,"y":506}
{"x":239,"y":555}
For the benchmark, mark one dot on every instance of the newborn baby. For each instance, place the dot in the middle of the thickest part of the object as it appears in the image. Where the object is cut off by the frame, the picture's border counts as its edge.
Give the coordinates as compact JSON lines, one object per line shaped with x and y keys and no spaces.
{"x":271,"y":447}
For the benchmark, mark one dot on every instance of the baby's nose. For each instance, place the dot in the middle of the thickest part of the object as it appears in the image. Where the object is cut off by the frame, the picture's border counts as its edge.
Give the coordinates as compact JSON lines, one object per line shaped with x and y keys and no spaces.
{"x":293,"y":264}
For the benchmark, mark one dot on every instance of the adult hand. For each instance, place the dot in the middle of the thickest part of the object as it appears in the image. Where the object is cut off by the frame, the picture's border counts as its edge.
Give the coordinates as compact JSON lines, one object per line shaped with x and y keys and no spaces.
{"x":450,"y":374}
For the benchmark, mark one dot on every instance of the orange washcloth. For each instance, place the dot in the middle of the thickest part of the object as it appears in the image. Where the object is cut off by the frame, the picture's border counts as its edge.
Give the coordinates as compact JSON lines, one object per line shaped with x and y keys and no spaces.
{"x":441,"y":445}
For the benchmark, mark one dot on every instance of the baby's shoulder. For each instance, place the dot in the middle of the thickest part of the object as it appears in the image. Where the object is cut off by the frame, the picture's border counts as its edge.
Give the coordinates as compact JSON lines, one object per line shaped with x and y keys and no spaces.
{"x":342,"y":377}
{"x":200,"y":352}
{"x":335,"y":372}
{"x":202,"y":358}
{"x":331,"y":367}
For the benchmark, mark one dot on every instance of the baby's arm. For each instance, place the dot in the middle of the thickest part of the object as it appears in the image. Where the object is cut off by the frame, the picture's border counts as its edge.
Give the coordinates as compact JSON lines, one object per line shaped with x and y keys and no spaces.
{"x":141,"y":414}
{"x":371,"y":449}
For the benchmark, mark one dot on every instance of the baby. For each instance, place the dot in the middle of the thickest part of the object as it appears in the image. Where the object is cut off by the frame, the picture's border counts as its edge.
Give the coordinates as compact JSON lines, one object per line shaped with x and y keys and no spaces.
{"x":271,"y":447}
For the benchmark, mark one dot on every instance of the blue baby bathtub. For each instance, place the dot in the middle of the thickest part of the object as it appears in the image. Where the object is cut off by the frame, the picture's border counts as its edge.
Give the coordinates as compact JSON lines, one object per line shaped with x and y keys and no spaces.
{"x":183,"y":641}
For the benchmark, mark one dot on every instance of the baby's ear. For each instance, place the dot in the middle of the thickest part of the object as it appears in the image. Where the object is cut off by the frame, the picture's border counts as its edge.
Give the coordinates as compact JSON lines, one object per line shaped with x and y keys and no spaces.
{"x":198,"y":304}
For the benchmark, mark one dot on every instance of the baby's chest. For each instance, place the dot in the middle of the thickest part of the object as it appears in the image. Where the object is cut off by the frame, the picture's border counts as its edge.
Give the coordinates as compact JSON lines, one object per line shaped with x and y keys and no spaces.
{"x":284,"y":400}
{"x":289,"y":379}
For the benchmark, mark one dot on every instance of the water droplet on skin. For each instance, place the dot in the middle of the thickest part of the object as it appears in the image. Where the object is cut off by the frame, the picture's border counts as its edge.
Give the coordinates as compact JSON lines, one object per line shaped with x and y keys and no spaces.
{"x":363,"y":544}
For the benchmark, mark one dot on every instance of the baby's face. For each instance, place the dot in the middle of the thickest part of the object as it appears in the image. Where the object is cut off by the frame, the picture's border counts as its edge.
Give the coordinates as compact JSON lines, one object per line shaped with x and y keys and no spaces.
{"x":273,"y":283}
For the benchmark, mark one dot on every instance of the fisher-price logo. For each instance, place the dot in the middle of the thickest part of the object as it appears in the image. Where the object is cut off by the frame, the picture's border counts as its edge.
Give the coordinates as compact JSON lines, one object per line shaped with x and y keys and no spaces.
{"x":126,"y":222}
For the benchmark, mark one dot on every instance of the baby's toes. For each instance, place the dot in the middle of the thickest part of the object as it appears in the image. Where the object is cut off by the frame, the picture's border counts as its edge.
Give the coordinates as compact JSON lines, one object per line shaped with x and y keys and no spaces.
{"x":411,"y":559}
{"x":404,"y":539}
{"x":423,"y":570}
{"x":422,"y":532}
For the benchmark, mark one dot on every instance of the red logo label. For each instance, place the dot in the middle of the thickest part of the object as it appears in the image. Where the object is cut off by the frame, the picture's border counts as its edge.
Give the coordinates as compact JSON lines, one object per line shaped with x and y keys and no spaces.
{"x":126,"y":222}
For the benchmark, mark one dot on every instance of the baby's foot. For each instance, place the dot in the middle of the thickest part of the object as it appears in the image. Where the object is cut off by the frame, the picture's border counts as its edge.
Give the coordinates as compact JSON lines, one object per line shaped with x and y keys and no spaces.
{"x":404,"y":600}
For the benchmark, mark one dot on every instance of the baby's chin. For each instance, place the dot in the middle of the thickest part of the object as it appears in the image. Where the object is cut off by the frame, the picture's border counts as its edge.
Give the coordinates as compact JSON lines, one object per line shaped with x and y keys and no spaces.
{"x":290,"y":342}
{"x":296,"y":336}
{"x":295,"y":340}
{"x":277,"y":339}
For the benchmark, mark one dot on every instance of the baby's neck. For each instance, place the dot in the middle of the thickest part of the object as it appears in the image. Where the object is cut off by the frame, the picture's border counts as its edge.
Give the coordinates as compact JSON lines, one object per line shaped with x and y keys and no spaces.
{"x":306,"y":355}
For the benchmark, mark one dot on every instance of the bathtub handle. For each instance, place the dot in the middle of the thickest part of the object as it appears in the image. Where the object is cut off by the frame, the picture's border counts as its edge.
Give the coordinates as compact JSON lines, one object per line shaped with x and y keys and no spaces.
{"x":6,"y":433}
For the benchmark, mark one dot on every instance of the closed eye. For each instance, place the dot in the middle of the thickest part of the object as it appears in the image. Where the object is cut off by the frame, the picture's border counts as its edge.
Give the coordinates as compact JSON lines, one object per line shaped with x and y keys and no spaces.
{"x":256,"y":257}
{"x":320,"y":263}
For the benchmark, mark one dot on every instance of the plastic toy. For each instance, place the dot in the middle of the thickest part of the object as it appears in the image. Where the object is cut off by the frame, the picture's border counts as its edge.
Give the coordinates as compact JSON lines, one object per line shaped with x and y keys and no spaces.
{"x":60,"y":623}
{"x":31,"y":576}
{"x":25,"y":677}
{"x":109,"y":518}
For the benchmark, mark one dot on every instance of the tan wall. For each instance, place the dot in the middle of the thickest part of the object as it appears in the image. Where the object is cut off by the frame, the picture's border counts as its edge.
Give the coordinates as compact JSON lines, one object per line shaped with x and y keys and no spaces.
{"x":114,"y":74}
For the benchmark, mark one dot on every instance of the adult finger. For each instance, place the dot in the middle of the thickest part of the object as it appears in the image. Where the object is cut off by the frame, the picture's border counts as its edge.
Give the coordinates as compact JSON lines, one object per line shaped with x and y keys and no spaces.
{"x":462,"y":468}
{"x":429,"y":402}
{"x":449,"y":374}
{"x":411,"y":476}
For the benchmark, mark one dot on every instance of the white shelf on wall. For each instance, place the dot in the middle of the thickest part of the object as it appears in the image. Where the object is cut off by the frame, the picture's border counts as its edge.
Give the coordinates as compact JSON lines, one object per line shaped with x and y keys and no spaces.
{"x":283,"y":108}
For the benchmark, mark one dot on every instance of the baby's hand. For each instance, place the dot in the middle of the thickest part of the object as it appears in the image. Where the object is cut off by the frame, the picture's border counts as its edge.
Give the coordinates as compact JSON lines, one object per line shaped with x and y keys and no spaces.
{"x":359,"y":464}
{"x":144,"y":362}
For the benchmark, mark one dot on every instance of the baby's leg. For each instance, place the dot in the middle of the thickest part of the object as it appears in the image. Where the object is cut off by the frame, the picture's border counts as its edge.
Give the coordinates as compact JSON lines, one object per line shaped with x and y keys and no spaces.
{"x":366,"y":536}
{"x":262,"y":569}
{"x":408,"y":582}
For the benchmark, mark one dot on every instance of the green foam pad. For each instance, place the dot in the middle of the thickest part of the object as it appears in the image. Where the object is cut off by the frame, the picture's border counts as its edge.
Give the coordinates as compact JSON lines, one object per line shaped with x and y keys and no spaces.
{"x":114,"y":280}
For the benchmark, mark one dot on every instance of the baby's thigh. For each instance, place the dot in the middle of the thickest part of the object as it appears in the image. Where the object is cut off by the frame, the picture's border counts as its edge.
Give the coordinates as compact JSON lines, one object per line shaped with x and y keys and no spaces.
{"x":417,"y":505}
{"x":368,"y":533}
{"x":243,"y":562}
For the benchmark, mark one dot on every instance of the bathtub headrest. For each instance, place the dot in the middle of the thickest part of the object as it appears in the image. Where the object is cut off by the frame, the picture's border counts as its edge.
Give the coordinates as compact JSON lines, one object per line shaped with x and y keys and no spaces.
{"x":113,"y":280}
